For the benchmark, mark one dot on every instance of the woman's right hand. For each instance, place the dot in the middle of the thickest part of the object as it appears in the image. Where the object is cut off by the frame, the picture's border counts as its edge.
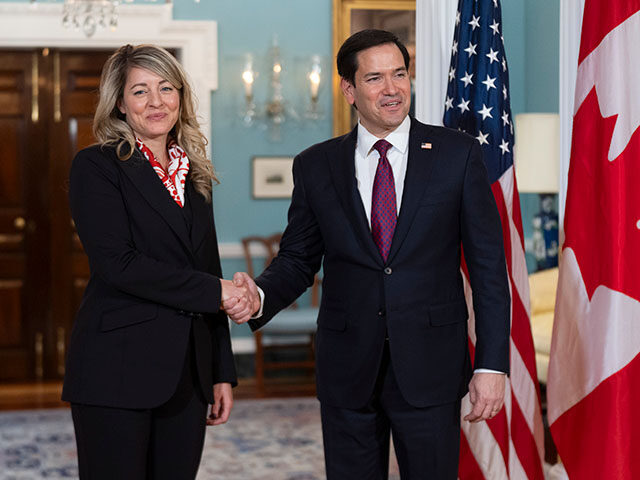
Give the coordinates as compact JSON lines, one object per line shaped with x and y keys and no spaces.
{"x":238,"y":301}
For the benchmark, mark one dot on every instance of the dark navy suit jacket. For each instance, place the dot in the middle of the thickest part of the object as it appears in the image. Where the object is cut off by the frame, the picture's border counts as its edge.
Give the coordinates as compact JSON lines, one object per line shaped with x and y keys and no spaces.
{"x":154,"y":281}
{"x":416,"y":297}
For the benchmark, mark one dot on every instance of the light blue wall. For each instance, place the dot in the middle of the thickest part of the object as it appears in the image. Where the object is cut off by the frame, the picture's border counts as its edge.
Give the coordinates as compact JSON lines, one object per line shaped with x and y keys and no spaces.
{"x":248,"y":26}
{"x":531,"y":31}
{"x":543,"y":55}
{"x":532,"y":41}
{"x":513,"y":26}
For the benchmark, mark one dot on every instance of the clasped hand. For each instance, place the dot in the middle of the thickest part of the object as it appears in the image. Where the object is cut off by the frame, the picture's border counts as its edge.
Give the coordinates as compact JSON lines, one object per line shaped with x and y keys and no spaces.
{"x":240,"y":298}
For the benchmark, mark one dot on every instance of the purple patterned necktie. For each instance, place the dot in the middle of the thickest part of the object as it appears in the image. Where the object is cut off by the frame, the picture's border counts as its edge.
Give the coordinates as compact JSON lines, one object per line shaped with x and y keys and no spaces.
{"x":383,"y":202}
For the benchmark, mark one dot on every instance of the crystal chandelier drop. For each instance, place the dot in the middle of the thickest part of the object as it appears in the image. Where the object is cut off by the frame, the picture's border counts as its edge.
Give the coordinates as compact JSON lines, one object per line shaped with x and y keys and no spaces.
{"x":89,"y":15}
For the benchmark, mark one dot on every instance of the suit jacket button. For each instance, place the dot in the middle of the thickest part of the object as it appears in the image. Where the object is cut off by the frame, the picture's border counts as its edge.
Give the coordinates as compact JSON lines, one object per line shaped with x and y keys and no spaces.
{"x":381,"y":313}
{"x":388,"y":271}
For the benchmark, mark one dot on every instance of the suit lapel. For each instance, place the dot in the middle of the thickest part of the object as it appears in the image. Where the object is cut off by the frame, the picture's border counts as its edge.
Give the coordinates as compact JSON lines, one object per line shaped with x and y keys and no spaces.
{"x":145,"y":179}
{"x":419,"y":165}
{"x":342,"y":167}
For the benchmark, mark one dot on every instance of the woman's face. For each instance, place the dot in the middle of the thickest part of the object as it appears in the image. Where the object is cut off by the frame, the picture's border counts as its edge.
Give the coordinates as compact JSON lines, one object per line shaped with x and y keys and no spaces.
{"x":150,"y":103}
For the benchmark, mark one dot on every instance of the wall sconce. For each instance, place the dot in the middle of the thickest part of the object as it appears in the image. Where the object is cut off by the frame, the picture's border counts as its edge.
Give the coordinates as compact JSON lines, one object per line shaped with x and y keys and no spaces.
{"x":276,"y":109}
{"x":537,"y":165}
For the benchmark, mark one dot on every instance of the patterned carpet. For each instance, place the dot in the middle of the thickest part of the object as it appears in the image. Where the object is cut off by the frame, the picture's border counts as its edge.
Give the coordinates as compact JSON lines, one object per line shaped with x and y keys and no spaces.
{"x":276,"y":439}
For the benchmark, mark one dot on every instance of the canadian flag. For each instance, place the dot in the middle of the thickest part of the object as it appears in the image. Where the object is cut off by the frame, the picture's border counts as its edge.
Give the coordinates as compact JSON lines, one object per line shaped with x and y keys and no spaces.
{"x":594,"y":373}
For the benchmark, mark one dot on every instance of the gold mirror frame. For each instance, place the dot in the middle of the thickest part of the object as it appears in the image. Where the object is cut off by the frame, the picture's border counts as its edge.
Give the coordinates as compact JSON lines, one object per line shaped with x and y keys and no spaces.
{"x":341,"y":31}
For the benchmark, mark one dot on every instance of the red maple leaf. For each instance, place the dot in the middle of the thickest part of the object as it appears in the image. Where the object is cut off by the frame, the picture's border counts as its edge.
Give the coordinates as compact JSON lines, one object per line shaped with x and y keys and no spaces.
{"x":603,"y":203}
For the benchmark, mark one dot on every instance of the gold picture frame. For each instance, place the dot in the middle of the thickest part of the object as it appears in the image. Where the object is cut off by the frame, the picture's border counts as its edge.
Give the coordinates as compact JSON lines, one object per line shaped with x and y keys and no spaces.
{"x":343,"y":12}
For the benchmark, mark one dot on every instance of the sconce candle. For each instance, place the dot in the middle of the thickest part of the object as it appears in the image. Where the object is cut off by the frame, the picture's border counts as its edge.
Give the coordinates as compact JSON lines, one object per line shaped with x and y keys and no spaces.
{"x":314,"y":76}
{"x":247,"y":78}
{"x":314,"y":79}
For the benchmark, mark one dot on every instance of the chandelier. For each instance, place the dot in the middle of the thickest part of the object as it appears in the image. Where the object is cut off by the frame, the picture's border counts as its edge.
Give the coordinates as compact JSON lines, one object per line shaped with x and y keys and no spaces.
{"x":89,"y":15}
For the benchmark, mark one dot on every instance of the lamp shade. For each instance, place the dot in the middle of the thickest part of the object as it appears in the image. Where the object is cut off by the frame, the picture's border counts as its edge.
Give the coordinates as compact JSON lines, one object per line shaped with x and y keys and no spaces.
{"x":537,"y":152}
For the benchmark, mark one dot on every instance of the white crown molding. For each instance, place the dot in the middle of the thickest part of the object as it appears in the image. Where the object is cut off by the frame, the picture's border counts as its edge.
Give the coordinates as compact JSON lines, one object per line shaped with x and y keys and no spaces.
{"x":196,"y":41}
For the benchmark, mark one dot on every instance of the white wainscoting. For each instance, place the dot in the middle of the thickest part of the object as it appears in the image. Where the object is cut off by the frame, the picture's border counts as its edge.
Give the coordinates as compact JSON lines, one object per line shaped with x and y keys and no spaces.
{"x":243,"y":344}
{"x":233,"y":250}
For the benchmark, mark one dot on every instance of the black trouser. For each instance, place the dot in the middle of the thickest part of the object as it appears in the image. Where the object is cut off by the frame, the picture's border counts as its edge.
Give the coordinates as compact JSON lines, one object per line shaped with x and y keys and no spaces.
{"x":148,"y":444}
{"x":426,"y":440}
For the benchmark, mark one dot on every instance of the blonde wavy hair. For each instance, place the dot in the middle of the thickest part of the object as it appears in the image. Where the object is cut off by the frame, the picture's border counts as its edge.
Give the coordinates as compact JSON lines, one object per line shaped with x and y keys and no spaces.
{"x":110,"y":126}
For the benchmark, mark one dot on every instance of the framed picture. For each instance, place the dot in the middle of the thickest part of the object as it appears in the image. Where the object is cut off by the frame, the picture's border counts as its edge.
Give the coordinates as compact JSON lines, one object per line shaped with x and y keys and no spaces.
{"x":271,"y":177}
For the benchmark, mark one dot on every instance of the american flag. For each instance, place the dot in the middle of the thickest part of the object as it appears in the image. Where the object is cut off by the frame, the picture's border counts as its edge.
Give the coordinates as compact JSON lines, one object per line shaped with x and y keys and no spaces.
{"x":511,"y":445}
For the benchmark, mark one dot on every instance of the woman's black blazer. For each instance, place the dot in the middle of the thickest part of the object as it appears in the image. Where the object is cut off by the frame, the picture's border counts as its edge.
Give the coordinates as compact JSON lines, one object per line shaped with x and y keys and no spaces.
{"x":154,"y":282}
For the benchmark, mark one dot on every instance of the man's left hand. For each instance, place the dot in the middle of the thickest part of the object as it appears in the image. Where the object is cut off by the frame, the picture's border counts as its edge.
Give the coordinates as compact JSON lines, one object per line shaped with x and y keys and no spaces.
{"x":486,"y":392}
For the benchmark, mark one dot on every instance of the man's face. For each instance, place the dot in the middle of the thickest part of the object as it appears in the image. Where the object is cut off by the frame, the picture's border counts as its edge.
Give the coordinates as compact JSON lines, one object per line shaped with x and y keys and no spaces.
{"x":381,"y":89}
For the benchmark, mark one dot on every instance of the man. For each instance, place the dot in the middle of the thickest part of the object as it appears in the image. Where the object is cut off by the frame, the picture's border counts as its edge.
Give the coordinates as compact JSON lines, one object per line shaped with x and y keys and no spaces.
{"x":389,"y":220}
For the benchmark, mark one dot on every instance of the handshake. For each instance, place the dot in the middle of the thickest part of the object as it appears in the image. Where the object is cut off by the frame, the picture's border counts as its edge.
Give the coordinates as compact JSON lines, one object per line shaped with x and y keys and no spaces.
{"x":240,"y":298}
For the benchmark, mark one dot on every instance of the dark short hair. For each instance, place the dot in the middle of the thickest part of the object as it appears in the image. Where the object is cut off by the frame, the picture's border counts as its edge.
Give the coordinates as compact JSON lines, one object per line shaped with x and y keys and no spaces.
{"x":347,"y":58}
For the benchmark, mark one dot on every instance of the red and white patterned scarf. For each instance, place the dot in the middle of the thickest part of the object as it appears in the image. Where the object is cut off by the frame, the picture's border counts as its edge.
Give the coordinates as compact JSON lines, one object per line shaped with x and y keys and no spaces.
{"x":174,"y":177}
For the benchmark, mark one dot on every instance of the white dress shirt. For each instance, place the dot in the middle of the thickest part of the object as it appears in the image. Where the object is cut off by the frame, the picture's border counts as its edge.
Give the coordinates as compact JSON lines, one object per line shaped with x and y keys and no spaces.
{"x":366,"y":162}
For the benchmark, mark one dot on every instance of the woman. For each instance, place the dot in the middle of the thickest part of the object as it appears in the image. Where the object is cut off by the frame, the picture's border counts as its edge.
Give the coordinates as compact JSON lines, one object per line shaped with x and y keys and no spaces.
{"x":150,"y":347}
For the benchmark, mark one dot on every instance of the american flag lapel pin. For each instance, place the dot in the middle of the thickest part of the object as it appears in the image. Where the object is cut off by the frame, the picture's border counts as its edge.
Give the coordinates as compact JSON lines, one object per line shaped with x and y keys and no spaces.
{"x":425,"y":145}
